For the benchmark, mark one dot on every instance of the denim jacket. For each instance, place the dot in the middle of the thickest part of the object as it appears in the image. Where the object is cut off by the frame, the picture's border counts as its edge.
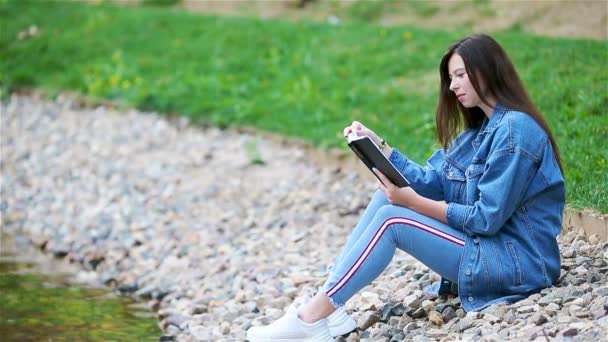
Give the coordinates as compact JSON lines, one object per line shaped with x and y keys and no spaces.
{"x":505,"y":191}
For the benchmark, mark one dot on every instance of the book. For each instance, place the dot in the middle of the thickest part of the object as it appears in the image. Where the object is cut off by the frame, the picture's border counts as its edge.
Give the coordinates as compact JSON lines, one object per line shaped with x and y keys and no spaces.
{"x":369,"y":153}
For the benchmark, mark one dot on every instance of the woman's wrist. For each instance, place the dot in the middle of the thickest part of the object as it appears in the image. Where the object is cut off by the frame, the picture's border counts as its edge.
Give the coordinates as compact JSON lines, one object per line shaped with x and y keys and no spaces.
{"x":428,"y":207}
{"x":384,"y":147}
{"x":380,"y":142}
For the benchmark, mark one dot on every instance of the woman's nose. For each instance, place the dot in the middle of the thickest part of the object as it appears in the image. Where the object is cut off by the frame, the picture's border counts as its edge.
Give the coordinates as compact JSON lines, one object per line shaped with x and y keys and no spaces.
{"x":452,"y":85}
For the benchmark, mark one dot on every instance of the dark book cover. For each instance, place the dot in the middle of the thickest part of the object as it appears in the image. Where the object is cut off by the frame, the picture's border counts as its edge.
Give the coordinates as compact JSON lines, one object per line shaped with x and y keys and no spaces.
{"x":371,"y":156}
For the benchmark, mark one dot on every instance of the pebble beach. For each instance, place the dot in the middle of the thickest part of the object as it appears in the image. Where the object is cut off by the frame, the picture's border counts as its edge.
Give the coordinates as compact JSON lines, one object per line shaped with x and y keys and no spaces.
{"x":217,"y":230}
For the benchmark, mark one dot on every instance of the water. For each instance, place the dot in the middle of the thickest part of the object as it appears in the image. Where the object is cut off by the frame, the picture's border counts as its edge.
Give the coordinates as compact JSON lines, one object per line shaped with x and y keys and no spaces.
{"x":40,"y":300}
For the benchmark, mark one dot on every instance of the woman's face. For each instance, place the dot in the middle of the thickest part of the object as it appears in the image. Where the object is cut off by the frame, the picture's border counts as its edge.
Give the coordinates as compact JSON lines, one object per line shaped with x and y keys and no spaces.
{"x":460,"y":83}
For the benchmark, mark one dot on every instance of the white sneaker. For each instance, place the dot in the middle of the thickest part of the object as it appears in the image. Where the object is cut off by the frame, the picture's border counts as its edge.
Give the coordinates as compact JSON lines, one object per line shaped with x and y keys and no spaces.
{"x":339,"y":322}
{"x":290,"y":328}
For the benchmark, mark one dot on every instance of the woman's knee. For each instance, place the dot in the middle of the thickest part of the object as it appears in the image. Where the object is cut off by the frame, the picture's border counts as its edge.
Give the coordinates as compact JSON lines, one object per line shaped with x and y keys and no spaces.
{"x":383,"y":213}
{"x":379,"y":198}
{"x":391,"y":210}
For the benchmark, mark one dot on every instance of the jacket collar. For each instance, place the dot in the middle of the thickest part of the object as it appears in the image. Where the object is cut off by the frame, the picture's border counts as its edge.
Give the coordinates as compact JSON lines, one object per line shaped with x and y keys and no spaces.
{"x":489,"y":125}
{"x":497,"y":115}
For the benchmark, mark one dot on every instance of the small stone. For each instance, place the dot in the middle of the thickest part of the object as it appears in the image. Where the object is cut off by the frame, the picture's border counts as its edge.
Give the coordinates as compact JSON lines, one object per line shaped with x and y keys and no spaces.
{"x":436,"y":333}
{"x":421,"y":338}
{"x":386,"y":313}
{"x":593,"y":277}
{"x":439,"y":307}
{"x":464,"y":324}
{"x":491,"y":318}
{"x":538,"y":319}
{"x":353,"y":337}
{"x":570,"y":332}
{"x":533,"y":333}
{"x":546,"y":299}
{"x":496,"y":310}
{"x":552,"y":309}
{"x":398,"y":309}
{"x":201,"y":333}
{"x":576,"y":301}
{"x":448,"y":314}
{"x":412,"y":301}
{"x":510,"y":317}
{"x":563,"y":318}
{"x":435,"y":318}
{"x":410,"y":327}
{"x":594,"y":239}
{"x":568,"y":253}
{"x":172,"y":330}
{"x":394,"y":321}
{"x":367,"y":320}
{"x":573,"y":310}
{"x":583,"y":313}
{"x":428,"y":305}
{"x":397,"y":337}
{"x":419,"y":313}
{"x":525,"y":309}
{"x":225,"y":328}
{"x":460,"y":313}
{"x":601,"y":291}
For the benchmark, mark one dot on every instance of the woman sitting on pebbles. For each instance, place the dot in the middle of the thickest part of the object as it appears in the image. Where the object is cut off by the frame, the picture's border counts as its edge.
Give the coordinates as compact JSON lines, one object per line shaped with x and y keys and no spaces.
{"x":484,"y":212}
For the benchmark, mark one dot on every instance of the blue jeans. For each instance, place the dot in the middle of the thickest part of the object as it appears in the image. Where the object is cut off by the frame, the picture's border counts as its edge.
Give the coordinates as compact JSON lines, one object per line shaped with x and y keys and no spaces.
{"x":383,"y":228}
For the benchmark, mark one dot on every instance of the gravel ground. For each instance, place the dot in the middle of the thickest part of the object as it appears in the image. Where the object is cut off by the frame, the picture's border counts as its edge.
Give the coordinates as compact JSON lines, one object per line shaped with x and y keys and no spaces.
{"x":218,"y":230}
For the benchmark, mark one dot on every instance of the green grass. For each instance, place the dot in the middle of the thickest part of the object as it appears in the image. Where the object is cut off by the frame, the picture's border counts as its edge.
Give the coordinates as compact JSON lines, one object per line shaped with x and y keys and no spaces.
{"x":301,"y":79}
{"x":160,"y":2}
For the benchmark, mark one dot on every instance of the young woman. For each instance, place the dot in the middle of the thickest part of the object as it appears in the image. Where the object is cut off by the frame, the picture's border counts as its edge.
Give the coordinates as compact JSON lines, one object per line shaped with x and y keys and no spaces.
{"x":484,"y":212}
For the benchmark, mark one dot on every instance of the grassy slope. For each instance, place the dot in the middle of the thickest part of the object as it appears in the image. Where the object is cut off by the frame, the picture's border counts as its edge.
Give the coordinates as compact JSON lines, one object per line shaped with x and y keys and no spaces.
{"x":300,"y":79}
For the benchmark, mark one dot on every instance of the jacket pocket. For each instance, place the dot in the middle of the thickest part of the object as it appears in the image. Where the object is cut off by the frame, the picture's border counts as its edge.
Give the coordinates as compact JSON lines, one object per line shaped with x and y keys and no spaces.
{"x":516,"y":264}
{"x":454,"y":185}
{"x":473,"y":174}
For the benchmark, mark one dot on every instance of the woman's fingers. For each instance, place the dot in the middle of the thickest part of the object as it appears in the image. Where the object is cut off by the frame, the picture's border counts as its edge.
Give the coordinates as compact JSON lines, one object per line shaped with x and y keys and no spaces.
{"x":359,"y":129}
{"x":382,"y":177}
{"x":354,"y":126}
{"x":346,"y":131}
{"x":357,"y":126}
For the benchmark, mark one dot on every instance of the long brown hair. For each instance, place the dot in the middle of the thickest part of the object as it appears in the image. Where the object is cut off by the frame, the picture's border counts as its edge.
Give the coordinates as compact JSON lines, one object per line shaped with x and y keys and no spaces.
{"x":485,"y":61}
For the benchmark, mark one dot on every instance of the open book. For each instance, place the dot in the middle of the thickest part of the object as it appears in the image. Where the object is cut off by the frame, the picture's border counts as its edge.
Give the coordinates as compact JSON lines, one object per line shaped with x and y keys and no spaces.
{"x":371,"y":156}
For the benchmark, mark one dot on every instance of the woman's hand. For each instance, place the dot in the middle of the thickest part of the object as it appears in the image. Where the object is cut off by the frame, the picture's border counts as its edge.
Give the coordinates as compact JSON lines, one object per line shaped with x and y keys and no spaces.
{"x":405,"y":197}
{"x":360,"y":130}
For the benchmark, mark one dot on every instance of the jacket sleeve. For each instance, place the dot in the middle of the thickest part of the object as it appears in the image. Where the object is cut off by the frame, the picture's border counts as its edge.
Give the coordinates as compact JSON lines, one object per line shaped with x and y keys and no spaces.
{"x":501,"y":187}
{"x":426,"y":181}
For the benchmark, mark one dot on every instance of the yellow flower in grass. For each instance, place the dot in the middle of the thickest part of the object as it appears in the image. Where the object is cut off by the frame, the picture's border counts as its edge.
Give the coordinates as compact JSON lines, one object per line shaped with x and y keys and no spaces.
{"x":408,"y":35}
{"x":114,"y":80}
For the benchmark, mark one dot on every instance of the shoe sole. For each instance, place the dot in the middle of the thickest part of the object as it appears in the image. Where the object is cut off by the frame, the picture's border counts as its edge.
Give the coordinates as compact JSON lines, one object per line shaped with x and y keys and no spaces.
{"x":344,"y":327}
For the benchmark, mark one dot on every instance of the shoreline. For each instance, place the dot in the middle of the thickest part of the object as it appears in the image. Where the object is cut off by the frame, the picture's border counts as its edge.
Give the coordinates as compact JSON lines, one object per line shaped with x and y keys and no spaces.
{"x":186,"y":219}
